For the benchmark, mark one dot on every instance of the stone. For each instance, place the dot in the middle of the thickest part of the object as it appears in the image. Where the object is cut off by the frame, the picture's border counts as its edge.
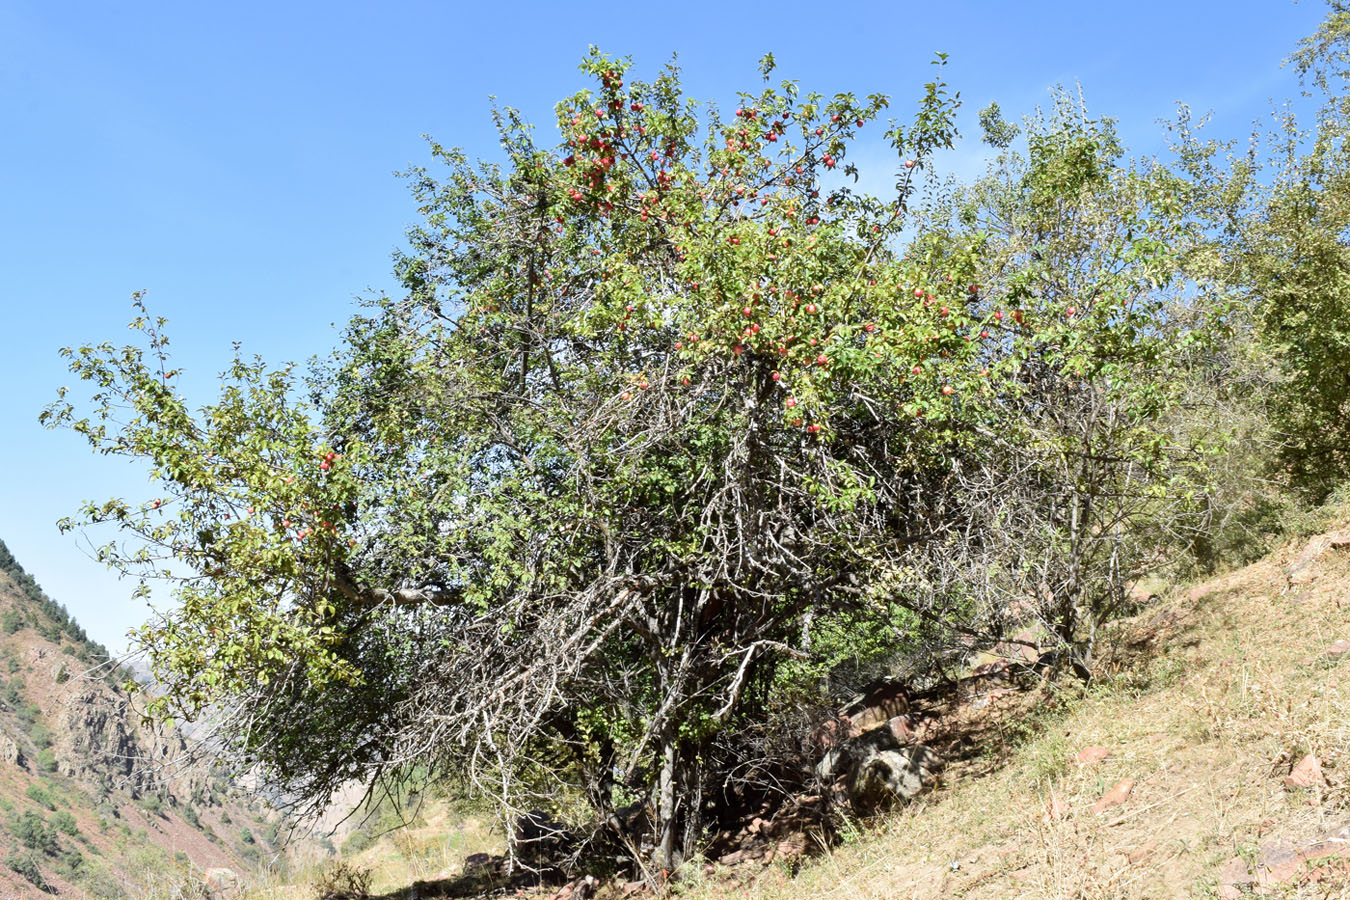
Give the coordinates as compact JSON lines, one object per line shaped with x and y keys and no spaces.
{"x":879,"y":702}
{"x":1338,"y":650}
{"x":1090,"y":756}
{"x":875,"y":768}
{"x":222,"y":881}
{"x":1115,"y":797}
{"x":903,"y":729}
{"x":1277,"y":864}
{"x":1234,"y":879}
{"x":478,"y":861}
{"x":1307,"y":773}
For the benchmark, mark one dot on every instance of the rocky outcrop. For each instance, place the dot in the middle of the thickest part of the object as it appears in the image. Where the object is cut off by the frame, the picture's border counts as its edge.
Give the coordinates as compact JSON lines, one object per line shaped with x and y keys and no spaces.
{"x":10,"y":754}
{"x":94,"y":737}
{"x":99,"y":736}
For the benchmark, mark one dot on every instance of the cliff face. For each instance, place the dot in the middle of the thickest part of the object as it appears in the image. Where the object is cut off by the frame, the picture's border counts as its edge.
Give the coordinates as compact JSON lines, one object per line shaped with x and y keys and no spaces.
{"x":95,"y":802}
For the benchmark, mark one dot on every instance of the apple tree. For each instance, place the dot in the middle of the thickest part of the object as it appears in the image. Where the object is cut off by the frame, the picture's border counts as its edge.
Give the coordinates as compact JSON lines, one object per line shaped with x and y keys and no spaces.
{"x":660,"y":407}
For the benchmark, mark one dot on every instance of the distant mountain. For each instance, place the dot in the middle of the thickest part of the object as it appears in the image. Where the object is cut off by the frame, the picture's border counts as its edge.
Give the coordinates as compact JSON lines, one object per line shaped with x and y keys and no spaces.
{"x":94,"y":802}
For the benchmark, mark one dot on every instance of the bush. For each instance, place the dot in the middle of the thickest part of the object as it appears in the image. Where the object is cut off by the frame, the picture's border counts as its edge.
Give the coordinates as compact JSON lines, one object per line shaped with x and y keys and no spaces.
{"x":33,"y":833}
{"x":39,"y":735}
{"x":46,"y":760}
{"x":25,"y":865}
{"x":70,"y":864}
{"x":65,"y":823}
{"x":246,"y":836}
{"x":11,"y":621}
{"x":342,"y":882}
{"x":356,"y":842}
{"x":40,"y":796}
{"x":152,"y":804}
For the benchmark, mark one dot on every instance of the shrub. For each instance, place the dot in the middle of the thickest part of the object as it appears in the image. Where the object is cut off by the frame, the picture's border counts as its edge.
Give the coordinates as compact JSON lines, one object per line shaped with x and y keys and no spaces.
{"x":25,"y":865}
{"x":39,"y":735}
{"x":46,"y":760}
{"x":342,"y":881}
{"x":34,"y":834}
{"x":356,"y":842}
{"x":65,"y":823}
{"x":39,"y":796}
{"x":11,"y":621}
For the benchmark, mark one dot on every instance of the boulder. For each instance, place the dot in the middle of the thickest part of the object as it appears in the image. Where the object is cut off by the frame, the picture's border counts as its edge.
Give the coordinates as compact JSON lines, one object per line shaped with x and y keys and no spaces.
{"x":875,"y":768}
{"x":222,"y":882}
{"x":880,"y":703}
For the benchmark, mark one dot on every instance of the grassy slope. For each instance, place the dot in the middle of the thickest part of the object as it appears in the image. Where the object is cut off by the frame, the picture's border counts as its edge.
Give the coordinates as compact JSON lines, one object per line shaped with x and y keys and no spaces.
{"x":1215,"y":693}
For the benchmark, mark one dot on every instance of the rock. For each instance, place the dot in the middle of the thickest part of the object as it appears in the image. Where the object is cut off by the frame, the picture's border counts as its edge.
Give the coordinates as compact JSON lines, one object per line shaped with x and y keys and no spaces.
{"x":1278,"y":864}
{"x":875,"y":768}
{"x":1140,"y":853}
{"x":632,"y":888}
{"x":9,"y":751}
{"x":879,"y":702}
{"x":1301,"y":571}
{"x":1338,"y":650}
{"x":478,"y":861}
{"x":903,"y":729}
{"x":1234,"y":881}
{"x":222,"y":882}
{"x":580,"y":889}
{"x":1090,"y":756}
{"x":1115,"y":797}
{"x":1307,"y":773}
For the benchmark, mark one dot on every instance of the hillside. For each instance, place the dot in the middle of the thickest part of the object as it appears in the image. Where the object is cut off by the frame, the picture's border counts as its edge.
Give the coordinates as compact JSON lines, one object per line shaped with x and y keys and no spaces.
{"x":93,"y":802}
{"x":1209,"y":758}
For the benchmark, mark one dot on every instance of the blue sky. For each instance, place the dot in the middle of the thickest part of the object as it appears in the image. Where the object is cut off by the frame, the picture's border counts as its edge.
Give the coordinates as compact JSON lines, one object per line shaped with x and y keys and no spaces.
{"x":235,"y":160}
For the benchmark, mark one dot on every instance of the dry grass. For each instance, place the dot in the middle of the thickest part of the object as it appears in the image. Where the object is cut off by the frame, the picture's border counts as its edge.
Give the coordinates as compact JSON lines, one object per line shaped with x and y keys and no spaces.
{"x":1214,"y":693}
{"x":430,"y":852}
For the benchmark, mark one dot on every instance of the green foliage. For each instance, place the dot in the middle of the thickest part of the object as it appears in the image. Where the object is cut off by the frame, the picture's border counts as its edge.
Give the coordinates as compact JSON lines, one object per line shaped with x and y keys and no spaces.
{"x":25,"y":865}
{"x":64,"y":822}
{"x":153,"y":804}
{"x":47,"y":762}
{"x":668,"y":425}
{"x":39,"y":735}
{"x":70,"y":864}
{"x":33,"y":833}
{"x":357,"y":841}
{"x":11,"y":621}
{"x":40,"y":796}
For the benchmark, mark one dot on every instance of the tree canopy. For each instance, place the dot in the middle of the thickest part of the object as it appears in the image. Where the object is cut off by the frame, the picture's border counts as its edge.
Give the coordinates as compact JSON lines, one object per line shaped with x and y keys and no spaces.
{"x":670,"y":425}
